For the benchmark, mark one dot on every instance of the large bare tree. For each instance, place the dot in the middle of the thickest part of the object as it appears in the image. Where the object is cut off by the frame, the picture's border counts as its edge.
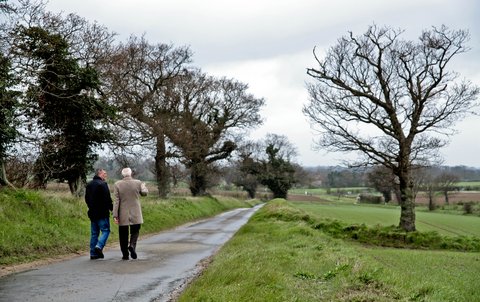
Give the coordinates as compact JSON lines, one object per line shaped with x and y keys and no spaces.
{"x":135,"y":81}
{"x":393,"y":101}
{"x":204,"y":114}
{"x":446,"y":182}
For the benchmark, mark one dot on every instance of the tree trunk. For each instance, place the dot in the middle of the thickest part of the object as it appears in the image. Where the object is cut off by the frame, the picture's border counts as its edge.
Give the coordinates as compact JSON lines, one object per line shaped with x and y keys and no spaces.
{"x":198,"y":181}
{"x":398,"y":196}
{"x":161,"y":170}
{"x":77,"y":186}
{"x":387,"y":195}
{"x":431,"y":202}
{"x":280,"y":194}
{"x":39,"y":181}
{"x":407,"y":202}
{"x":3,"y":176}
{"x":277,"y":188}
{"x":251,"y":192}
{"x":446,"y":197}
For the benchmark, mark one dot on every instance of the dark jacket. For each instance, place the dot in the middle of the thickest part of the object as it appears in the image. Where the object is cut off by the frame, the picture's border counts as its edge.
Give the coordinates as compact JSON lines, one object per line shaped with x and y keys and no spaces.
{"x":98,"y":199}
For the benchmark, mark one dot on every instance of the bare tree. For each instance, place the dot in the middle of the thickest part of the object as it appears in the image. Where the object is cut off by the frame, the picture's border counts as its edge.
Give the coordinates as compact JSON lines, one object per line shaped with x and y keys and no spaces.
{"x":18,"y":169}
{"x":392,"y":101}
{"x":136,"y":80}
{"x":423,"y":179}
{"x":204,"y":115}
{"x":445,"y":183}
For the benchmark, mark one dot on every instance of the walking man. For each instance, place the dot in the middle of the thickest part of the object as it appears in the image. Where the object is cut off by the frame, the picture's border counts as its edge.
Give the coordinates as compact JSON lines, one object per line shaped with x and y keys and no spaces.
{"x":99,"y":202}
{"x":127,"y":212}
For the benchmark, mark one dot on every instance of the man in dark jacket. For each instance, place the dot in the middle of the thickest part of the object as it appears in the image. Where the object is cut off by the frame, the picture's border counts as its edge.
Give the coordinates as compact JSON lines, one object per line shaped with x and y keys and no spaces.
{"x":99,"y":202}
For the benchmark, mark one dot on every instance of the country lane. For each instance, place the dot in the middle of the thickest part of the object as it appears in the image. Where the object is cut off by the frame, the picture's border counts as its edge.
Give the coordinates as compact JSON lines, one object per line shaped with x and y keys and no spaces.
{"x":166,"y":262}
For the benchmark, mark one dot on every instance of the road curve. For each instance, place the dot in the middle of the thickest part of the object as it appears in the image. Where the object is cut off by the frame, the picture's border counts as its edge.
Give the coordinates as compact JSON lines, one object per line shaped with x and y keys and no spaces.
{"x":165,"y":262}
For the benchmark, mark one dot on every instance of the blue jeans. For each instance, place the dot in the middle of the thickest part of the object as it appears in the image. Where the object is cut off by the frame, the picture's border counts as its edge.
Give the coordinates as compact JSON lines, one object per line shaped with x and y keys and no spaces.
{"x":101,"y":225}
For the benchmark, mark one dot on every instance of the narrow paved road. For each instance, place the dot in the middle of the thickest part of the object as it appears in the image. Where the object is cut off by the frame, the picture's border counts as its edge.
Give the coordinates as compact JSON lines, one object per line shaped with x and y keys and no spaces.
{"x":165,"y":262}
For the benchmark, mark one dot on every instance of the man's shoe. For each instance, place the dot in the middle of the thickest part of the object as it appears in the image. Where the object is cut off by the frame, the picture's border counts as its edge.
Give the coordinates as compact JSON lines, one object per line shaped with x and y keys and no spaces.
{"x":93,"y":257}
{"x":132,"y":252}
{"x":99,"y":252}
{"x":125,"y":258}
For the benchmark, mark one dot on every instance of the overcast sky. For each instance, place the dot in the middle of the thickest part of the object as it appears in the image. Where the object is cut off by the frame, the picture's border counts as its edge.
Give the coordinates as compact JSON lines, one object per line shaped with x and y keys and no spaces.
{"x":268,"y":45}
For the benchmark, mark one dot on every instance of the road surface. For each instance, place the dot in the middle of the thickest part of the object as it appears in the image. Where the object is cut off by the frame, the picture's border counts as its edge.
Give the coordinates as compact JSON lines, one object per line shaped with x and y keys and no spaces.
{"x":165,"y":263}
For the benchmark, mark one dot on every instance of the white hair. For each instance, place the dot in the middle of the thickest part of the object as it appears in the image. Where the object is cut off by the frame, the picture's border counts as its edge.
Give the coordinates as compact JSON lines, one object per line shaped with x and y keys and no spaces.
{"x":126,"y":172}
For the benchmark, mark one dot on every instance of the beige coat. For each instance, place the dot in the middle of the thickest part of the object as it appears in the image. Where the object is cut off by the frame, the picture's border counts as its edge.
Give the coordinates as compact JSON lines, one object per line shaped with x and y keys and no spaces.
{"x":127,"y":206}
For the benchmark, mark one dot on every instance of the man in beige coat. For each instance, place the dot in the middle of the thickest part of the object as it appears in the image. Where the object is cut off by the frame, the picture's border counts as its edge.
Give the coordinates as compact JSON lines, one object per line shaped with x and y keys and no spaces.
{"x":127,"y":212}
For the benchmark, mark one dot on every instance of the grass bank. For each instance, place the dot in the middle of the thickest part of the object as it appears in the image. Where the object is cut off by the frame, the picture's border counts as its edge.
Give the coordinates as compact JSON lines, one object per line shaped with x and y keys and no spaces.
{"x":37,"y":225}
{"x":280,"y":256}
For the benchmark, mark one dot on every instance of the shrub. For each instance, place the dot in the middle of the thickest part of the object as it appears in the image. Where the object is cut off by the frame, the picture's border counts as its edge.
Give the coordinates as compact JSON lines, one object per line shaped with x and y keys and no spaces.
{"x":468,"y":208}
{"x":392,"y":236}
{"x":368,"y":198}
{"x":279,"y":209}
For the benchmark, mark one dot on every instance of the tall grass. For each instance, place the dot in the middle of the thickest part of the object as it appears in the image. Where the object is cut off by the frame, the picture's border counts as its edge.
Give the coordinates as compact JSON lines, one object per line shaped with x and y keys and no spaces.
{"x":278,"y":256}
{"x":36,"y":224}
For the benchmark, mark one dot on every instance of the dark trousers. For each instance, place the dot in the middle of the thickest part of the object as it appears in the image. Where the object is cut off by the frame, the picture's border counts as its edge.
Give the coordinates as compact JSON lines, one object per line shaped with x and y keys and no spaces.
{"x":123,"y":231}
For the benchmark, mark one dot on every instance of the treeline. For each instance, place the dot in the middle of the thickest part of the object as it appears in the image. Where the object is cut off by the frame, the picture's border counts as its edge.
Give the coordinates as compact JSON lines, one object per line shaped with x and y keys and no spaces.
{"x":336,"y":178}
{"x":428,"y":180}
{"x":342,"y":177}
{"x":69,"y":88}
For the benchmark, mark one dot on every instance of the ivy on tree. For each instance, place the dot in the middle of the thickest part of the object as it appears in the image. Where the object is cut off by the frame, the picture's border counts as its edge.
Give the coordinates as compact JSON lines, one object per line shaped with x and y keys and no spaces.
{"x":66,"y":107}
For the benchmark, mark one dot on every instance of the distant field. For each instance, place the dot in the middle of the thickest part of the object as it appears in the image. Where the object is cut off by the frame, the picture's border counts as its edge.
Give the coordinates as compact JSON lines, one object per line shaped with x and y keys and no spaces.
{"x":446,"y":224}
{"x":468,"y":184}
{"x":351,"y":193}
{"x":319,"y":191}
{"x":453,"y":197}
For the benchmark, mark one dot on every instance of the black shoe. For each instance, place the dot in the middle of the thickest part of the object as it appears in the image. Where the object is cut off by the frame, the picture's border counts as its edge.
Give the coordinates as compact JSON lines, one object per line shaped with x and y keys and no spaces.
{"x":132,"y":252}
{"x":93,"y":257}
{"x":125,"y":258}
{"x":99,"y":253}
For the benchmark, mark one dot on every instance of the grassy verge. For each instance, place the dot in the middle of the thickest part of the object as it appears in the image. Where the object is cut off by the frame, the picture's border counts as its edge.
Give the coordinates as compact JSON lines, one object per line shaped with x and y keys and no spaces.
{"x":280,"y":256}
{"x":37,"y":225}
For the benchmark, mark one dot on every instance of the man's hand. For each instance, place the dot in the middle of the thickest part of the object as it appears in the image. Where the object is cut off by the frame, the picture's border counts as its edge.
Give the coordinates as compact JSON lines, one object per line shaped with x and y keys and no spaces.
{"x":115,"y":219}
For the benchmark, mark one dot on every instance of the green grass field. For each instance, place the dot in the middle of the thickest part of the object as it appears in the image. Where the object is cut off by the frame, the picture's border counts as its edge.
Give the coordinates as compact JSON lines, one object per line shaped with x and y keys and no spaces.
{"x":445,"y":224}
{"x":468,"y":184}
{"x":278,"y":256}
